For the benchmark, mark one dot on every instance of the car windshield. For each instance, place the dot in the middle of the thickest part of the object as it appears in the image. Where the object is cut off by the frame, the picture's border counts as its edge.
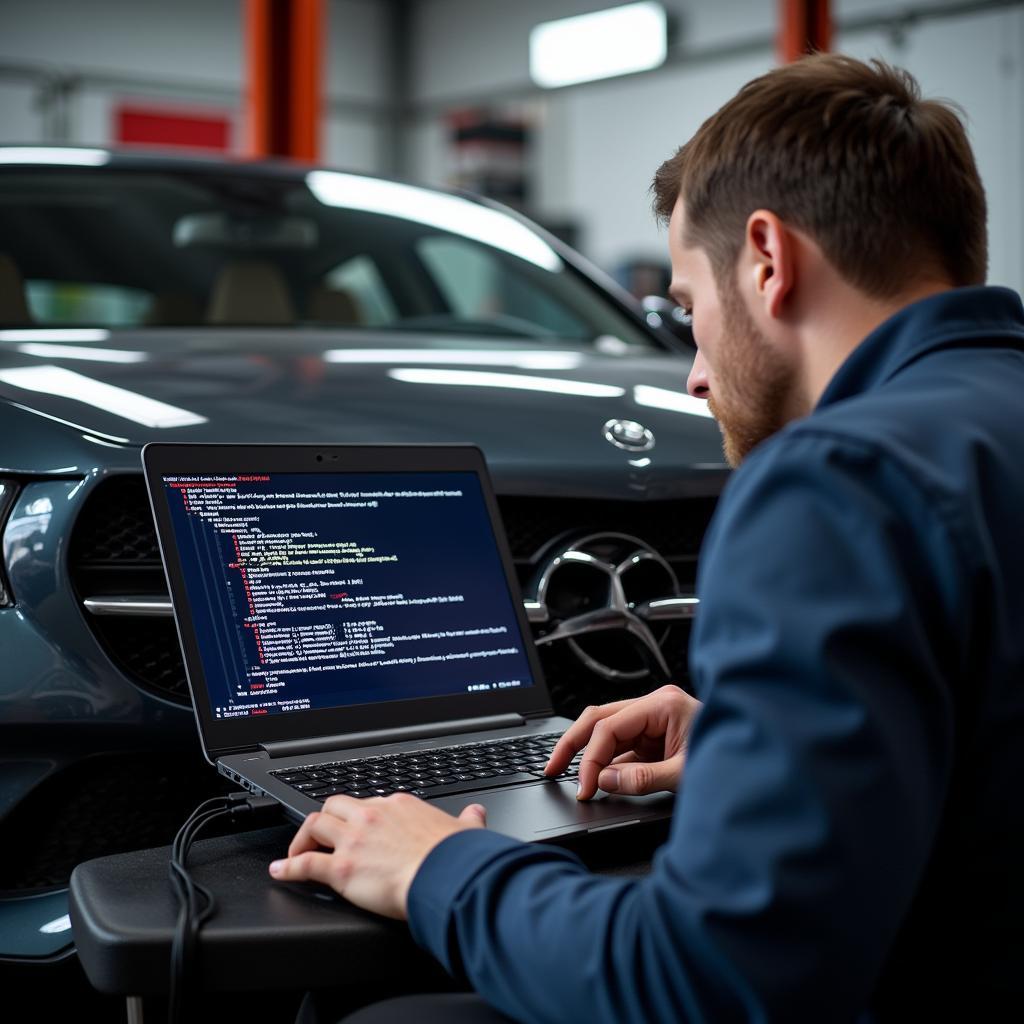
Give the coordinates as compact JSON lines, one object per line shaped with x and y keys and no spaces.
{"x":234,"y":248}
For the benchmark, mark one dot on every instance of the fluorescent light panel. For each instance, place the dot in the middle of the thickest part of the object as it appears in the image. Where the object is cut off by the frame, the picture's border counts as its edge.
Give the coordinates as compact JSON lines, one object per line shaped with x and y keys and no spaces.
{"x":619,"y":41}
{"x":552,"y":360}
{"x":516,"y":381}
{"x":53,"y":155}
{"x":673,"y":401}
{"x":57,"y":925}
{"x":66,"y":335}
{"x":64,"y":383}
{"x":435,"y":209}
{"x":95,"y":355}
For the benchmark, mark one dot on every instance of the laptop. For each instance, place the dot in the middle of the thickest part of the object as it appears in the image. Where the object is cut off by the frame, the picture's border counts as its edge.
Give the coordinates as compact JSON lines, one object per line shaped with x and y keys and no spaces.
{"x":351,"y":622}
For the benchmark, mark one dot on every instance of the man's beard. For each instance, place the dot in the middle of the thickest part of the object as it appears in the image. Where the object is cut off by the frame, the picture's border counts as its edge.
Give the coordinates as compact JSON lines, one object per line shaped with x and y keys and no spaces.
{"x":753,"y":386}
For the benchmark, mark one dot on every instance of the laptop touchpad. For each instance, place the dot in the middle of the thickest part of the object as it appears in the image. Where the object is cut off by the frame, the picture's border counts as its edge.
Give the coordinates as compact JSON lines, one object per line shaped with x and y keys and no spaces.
{"x":544,"y":810}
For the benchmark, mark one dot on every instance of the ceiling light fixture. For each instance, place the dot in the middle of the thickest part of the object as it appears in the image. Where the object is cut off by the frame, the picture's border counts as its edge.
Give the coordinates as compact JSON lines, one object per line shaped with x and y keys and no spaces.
{"x":618,"y":41}
{"x":53,"y":155}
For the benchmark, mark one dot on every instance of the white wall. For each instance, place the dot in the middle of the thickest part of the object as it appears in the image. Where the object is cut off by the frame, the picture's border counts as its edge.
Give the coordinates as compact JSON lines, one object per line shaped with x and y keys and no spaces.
{"x":599,"y":144}
{"x":18,"y":118}
{"x":357,"y":70}
{"x":617,"y":137}
{"x":976,"y":60}
{"x":467,"y":47}
{"x":186,"y":53}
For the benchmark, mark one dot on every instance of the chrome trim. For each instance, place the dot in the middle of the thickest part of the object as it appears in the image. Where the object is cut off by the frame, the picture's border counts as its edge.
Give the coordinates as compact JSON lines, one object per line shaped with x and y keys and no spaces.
{"x":141,"y":605}
{"x":628,"y":435}
{"x":666,"y":609}
{"x":535,"y":612}
{"x":617,"y":613}
{"x":597,"y":622}
{"x":8,"y":496}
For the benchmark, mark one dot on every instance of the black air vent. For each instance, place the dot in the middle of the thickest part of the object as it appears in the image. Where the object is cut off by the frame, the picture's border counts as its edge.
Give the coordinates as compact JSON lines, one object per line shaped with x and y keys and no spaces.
{"x":116,"y":527}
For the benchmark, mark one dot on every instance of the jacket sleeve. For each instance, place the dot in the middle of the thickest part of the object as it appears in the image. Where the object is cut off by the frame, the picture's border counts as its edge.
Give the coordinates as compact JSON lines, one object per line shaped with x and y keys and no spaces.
{"x":815,"y":779}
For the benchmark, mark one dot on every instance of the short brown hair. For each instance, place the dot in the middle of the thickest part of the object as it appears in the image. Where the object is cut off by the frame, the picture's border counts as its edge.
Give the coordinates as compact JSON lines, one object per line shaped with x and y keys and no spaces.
{"x":883,"y":181}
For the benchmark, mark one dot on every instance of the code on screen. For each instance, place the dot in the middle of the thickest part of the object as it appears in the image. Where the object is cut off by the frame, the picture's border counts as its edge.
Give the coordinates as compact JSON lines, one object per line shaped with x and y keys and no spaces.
{"x":310,"y":591}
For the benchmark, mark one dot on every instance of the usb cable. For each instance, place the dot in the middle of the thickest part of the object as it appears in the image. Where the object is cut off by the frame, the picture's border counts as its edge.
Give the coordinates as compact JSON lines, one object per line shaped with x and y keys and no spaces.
{"x":196,"y":904}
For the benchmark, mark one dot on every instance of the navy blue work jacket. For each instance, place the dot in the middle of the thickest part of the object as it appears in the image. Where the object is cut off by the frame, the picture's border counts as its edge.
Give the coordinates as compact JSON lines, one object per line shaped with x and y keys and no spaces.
{"x":848,"y":840}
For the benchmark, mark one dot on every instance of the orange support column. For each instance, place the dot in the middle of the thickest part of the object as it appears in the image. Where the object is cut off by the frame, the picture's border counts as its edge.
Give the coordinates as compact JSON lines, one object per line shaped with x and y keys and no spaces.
{"x":805,"y":26}
{"x":284,"y":43}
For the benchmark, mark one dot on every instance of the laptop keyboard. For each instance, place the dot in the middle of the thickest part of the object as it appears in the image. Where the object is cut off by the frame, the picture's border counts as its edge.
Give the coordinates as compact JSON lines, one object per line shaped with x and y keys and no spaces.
{"x":431,"y":773}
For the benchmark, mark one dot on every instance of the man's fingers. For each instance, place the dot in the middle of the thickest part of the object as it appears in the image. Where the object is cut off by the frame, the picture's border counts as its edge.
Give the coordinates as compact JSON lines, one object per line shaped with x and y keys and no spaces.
{"x":577,"y":736}
{"x":347,"y":808}
{"x":637,"y":777}
{"x":474,"y":814}
{"x":308,"y":866}
{"x":593,"y":762}
{"x":610,"y":737}
{"x":322,"y":828}
{"x":319,"y":829}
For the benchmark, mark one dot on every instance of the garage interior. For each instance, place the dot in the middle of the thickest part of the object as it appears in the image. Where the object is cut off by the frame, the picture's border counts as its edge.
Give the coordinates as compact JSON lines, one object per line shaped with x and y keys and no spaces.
{"x":449,"y":95}
{"x":397,"y":78}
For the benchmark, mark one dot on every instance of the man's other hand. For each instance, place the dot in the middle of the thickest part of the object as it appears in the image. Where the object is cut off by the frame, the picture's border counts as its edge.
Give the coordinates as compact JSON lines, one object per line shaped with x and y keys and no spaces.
{"x":633,"y":746}
{"x":369,"y":850}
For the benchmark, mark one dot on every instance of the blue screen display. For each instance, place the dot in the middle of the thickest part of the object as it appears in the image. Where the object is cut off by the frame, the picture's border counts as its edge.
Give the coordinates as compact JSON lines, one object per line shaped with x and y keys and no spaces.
{"x":323,"y":590}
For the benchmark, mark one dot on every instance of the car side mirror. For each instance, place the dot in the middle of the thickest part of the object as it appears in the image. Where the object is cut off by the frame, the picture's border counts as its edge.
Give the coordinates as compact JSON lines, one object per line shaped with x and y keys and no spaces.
{"x":662,"y":312}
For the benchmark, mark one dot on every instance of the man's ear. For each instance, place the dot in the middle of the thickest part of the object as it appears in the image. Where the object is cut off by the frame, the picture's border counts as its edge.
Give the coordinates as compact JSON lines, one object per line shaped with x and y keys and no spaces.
{"x":771,"y":260}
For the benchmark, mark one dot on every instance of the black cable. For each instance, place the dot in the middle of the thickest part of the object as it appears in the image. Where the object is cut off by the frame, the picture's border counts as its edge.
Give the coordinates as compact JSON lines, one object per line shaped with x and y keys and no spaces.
{"x":196,"y":906}
{"x":196,"y":902}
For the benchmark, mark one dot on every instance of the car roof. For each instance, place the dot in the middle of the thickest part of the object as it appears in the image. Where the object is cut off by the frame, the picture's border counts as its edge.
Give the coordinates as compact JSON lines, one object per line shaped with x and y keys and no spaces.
{"x":81,"y":157}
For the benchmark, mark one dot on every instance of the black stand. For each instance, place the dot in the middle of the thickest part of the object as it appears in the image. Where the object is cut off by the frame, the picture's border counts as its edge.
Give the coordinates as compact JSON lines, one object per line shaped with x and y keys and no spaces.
{"x":265,"y":935}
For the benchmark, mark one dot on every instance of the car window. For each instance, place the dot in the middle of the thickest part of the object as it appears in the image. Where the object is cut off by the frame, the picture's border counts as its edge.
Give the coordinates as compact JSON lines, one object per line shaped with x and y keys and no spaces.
{"x":359,"y":279}
{"x":477,"y":288}
{"x":222,"y":247}
{"x":76,"y":302}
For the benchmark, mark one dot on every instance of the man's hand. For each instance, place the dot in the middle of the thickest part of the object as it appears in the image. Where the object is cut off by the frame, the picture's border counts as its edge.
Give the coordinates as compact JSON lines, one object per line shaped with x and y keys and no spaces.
{"x":633,"y":746}
{"x":374,"y":847}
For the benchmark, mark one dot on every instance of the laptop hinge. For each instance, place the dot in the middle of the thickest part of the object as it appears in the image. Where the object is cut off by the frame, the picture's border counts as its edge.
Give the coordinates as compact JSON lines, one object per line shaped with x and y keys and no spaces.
{"x":346,"y":741}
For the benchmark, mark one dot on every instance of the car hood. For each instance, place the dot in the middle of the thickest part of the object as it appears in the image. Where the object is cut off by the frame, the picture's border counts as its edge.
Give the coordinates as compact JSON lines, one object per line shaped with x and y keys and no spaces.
{"x":538,"y":410}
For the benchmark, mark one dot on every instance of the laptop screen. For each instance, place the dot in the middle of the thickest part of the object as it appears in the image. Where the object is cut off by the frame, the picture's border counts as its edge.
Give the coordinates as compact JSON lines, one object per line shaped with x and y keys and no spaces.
{"x":311,"y":591}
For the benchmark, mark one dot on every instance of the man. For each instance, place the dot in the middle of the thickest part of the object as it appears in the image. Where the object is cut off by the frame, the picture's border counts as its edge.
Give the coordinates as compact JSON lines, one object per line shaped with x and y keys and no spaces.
{"x":848,"y":839}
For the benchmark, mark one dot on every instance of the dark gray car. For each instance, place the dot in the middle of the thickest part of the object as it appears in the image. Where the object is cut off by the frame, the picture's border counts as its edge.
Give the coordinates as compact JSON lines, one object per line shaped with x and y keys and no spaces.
{"x":146,"y":298}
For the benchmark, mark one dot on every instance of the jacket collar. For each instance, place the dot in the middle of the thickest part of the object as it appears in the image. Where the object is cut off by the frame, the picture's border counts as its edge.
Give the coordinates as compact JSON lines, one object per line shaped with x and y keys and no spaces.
{"x":960,"y":317}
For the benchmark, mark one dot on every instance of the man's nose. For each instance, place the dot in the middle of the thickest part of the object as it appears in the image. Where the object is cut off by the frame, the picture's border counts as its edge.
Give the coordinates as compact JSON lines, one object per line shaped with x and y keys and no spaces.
{"x":697,"y":382}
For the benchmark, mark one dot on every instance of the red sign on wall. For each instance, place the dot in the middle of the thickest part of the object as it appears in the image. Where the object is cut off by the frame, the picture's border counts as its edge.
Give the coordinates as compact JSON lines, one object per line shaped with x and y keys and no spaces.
{"x":163,"y":126}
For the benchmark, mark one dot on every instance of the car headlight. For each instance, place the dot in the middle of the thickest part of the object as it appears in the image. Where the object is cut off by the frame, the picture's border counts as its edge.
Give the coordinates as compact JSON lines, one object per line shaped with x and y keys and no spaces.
{"x":8,"y":491}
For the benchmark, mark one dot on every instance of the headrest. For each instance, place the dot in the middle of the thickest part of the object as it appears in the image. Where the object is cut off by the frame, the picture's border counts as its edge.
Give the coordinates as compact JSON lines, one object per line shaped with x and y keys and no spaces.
{"x":173,"y":309}
{"x":250,"y":292}
{"x":334,"y":306}
{"x":13,"y":308}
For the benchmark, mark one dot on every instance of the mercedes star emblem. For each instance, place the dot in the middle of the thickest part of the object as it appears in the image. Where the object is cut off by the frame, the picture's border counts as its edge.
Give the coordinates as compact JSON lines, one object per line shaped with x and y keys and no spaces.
{"x":610,"y":582}
{"x":629,"y":435}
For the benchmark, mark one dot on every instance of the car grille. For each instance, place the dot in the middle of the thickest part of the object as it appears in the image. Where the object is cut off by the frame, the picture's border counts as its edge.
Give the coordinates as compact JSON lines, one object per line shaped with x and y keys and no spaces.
{"x":673,"y":528}
{"x":114,"y":553}
{"x":115,"y":529}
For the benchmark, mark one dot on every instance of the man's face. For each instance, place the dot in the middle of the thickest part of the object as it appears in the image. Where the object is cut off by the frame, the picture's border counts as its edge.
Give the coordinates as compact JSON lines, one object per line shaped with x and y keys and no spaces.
{"x":746,"y":384}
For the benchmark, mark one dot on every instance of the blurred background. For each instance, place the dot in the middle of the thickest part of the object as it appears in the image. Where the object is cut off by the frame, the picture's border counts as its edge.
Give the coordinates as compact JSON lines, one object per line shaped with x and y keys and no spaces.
{"x":443,"y":92}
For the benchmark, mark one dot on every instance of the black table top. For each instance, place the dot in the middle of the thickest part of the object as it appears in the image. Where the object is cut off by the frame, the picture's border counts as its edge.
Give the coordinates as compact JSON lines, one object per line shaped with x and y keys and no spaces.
{"x":265,"y":935}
